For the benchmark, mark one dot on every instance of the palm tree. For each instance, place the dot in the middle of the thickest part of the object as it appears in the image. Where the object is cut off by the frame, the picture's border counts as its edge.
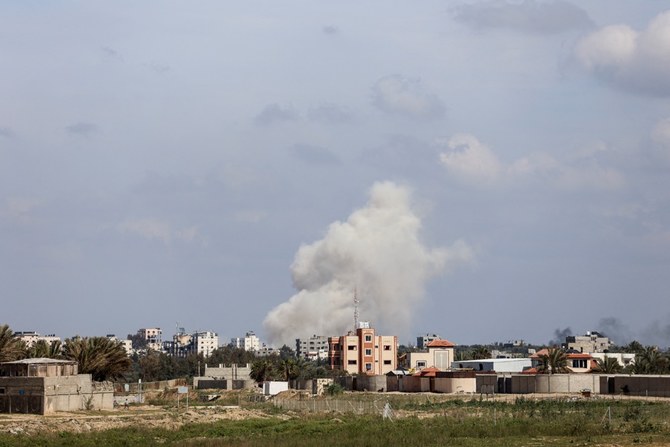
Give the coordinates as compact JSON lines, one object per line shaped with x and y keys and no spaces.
{"x":261,"y":370}
{"x":290,"y":369}
{"x":43,"y":349}
{"x":555,"y":361}
{"x":11,"y":348}
{"x":650,"y":361}
{"x":101,"y":357}
{"x":608,"y":365}
{"x":481,"y":352}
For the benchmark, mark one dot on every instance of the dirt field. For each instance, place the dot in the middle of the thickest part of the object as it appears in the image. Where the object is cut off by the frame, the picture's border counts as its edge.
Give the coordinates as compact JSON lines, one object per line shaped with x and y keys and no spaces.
{"x":140,"y":416}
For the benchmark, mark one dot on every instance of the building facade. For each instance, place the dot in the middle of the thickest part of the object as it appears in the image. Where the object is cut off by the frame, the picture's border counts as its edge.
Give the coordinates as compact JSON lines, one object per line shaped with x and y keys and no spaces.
{"x":153,"y":336}
{"x":32,"y":337}
{"x":312,"y":348}
{"x":363,"y":352}
{"x":440,"y":355}
{"x":591,"y":342}
{"x":423,"y":340}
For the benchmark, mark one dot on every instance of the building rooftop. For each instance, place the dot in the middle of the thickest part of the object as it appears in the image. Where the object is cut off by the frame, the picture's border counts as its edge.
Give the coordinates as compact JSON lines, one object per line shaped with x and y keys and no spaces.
{"x":38,"y":361}
{"x":441,"y":344}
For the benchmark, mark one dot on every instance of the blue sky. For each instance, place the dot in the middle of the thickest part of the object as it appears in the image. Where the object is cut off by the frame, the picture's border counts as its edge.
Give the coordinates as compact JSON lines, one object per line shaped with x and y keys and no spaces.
{"x":485,"y":170}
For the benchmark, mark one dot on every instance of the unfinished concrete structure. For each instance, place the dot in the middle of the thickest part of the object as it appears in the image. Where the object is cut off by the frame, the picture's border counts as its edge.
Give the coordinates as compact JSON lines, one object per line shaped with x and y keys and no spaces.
{"x":44,"y":386}
{"x":233,"y":377}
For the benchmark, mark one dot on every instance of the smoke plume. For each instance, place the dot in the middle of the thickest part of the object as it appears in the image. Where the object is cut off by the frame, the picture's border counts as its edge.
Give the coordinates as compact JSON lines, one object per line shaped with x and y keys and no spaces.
{"x":559,"y":336}
{"x":615,"y":330}
{"x":376,"y":252}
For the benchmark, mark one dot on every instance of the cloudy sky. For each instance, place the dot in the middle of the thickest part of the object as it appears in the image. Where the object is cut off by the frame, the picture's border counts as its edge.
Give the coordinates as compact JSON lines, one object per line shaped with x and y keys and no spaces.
{"x":506,"y":162}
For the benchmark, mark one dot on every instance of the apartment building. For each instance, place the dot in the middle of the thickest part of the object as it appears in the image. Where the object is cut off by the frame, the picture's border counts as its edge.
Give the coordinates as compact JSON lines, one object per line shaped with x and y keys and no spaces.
{"x":363,"y":351}
{"x":31,"y":337}
{"x":591,"y":342}
{"x":153,"y":337}
{"x":250,"y":342}
{"x":312,"y":348}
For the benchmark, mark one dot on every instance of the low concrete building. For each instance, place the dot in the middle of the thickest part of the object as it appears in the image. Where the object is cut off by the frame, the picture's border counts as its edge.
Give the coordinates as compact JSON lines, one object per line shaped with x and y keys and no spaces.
{"x":44,"y":386}
{"x":233,"y":377}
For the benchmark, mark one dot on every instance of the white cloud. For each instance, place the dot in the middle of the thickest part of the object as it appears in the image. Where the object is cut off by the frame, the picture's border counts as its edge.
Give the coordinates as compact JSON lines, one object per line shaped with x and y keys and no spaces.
{"x":467,"y":158}
{"x":377,"y":251}
{"x":397,"y":94}
{"x":150,"y":228}
{"x":631,"y":60}
{"x":472,"y":162}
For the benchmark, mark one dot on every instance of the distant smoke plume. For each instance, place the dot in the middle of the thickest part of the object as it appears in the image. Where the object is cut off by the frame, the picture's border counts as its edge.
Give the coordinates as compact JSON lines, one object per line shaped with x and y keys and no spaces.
{"x":559,"y":336}
{"x":657,"y":334}
{"x":377,"y":251}
{"x":615,"y":330}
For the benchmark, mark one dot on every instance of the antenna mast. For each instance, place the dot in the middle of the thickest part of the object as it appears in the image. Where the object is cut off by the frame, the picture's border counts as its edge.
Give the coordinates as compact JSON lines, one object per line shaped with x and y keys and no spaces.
{"x":356,"y":315}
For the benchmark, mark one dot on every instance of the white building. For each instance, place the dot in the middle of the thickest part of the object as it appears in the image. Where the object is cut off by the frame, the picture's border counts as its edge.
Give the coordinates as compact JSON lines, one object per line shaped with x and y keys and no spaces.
{"x":205,"y":342}
{"x":497,"y":365}
{"x":31,"y":337}
{"x":127,"y":344}
{"x":250,"y":342}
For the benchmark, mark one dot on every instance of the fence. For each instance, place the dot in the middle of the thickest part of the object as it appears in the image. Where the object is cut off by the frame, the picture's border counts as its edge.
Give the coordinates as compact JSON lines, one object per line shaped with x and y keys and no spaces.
{"x":335,"y":405}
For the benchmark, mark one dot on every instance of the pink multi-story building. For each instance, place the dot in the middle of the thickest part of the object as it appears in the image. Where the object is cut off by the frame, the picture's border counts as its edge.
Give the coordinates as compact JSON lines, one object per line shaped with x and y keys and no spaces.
{"x":363,"y":352}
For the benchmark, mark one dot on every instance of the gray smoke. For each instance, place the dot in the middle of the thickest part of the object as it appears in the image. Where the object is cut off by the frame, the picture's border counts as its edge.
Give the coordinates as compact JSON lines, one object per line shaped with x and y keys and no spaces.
{"x":377,"y":252}
{"x":615,"y":330}
{"x":657,"y":334}
{"x":559,"y":336}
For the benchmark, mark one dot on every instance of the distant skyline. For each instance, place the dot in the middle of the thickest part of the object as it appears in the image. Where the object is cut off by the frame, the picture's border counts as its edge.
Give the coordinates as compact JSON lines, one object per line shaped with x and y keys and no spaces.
{"x":485,"y":170}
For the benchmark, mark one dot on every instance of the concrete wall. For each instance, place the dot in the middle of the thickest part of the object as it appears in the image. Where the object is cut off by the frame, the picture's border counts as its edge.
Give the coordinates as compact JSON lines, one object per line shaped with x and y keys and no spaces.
{"x":640,"y":385}
{"x":370,"y":383}
{"x":555,"y":383}
{"x":234,"y":372}
{"x":414,"y":384}
{"x":454,"y":384}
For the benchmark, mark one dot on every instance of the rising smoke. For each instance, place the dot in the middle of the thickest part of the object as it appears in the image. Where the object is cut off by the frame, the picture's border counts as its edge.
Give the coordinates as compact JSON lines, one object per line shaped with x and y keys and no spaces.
{"x":376,"y":252}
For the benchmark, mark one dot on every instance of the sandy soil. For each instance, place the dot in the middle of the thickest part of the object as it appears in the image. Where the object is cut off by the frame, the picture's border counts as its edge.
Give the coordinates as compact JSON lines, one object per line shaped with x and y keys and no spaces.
{"x":144,"y":416}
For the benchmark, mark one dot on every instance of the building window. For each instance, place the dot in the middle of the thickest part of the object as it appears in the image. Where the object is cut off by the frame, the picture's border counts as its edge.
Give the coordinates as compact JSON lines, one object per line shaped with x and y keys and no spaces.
{"x":387,"y":347}
{"x":368,"y":338}
{"x":421,"y":364}
{"x":2,"y":391}
{"x":387,"y":362}
{"x":368,"y":352}
{"x":352,"y":347}
{"x":368,"y":366}
{"x":351,"y":362}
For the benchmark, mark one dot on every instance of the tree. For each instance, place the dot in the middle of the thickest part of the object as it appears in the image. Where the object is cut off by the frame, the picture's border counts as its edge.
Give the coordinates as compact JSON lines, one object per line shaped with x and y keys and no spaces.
{"x":555,"y":361}
{"x":651,"y":361}
{"x":289,"y":369}
{"x":285,"y":352}
{"x":101,"y":357}
{"x":481,"y":352}
{"x":609,"y":365}
{"x":11,"y":348}
{"x":262,"y":370}
{"x":43,"y":349}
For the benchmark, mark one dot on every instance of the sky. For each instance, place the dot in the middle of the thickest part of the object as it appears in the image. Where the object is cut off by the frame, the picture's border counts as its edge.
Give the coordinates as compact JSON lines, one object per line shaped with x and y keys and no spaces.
{"x":484,"y":170}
